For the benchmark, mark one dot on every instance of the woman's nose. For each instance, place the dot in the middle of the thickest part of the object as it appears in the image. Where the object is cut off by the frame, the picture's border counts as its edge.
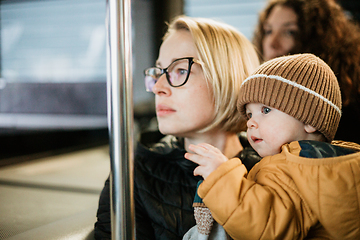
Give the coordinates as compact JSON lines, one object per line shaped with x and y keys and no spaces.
{"x":161,"y":86}
{"x":251,"y":123}
{"x":274,"y":40}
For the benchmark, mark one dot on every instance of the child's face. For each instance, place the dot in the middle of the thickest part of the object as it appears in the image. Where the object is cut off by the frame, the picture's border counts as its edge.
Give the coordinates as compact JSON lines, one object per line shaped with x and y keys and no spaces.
{"x":269,"y":129}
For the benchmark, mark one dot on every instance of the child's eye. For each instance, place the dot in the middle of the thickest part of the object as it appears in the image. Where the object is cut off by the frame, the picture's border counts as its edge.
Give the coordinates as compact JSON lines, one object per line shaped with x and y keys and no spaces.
{"x":266,"y":110}
{"x":248,"y":115}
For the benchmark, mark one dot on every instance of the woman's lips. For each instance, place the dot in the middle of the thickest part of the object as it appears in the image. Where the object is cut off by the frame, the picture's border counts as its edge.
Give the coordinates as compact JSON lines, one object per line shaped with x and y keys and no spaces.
{"x":162,"y":110}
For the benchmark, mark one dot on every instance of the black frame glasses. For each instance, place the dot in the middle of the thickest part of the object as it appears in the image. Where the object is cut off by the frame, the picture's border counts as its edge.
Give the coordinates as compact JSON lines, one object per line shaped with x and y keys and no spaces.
{"x":177,"y":73}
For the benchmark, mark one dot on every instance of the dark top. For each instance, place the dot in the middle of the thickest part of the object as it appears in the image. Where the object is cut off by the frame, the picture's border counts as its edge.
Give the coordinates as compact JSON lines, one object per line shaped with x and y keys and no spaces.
{"x":349,"y":126}
{"x":164,"y":190}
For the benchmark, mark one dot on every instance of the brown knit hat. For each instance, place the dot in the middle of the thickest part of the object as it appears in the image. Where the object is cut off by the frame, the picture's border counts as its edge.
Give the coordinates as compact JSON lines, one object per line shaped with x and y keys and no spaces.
{"x":300,"y":85}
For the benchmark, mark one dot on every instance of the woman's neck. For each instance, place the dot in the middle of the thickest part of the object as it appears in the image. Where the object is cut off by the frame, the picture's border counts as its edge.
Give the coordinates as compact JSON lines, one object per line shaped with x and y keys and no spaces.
{"x":228,"y":143}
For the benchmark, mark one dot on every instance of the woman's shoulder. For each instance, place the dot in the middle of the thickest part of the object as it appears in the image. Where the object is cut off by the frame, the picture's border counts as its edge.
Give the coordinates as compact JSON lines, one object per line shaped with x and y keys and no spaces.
{"x":156,"y":142}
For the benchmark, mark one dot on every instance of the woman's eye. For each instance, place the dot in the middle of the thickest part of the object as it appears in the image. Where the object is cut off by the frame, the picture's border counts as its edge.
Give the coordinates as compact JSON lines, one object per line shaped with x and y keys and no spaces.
{"x":267,"y":32}
{"x":182,"y":71}
{"x":266,"y":110}
{"x":178,"y":70}
{"x":290,"y":33}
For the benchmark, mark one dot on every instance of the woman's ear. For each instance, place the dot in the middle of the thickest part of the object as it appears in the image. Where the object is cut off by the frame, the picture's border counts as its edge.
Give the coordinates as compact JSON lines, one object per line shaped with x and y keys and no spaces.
{"x":309,"y":128}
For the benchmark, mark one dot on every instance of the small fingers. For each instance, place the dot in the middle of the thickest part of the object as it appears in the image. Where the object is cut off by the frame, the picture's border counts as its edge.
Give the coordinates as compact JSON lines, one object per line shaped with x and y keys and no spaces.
{"x":197,"y":149}
{"x":207,"y":157}
{"x":194,"y":158}
{"x":210,"y":147}
{"x":204,"y":149}
{"x":197,"y":171}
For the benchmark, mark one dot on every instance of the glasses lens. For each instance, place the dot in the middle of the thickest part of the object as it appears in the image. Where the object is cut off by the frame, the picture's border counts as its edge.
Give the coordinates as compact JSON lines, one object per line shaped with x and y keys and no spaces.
{"x":151,"y":76}
{"x":178,"y":71}
{"x":149,"y":83}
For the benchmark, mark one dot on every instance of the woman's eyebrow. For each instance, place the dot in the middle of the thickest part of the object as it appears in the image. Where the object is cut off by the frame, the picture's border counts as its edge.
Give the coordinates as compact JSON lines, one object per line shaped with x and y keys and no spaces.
{"x":290,"y":23}
{"x":286,"y":24}
{"x":158,"y":64}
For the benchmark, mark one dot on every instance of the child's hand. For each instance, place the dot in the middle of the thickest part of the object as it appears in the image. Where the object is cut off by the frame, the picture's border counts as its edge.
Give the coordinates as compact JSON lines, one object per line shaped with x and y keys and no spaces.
{"x":208,"y":157}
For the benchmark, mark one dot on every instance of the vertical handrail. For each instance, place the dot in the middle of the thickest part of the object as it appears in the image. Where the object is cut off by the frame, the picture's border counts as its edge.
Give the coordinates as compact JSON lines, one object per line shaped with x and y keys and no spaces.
{"x":120,"y":117}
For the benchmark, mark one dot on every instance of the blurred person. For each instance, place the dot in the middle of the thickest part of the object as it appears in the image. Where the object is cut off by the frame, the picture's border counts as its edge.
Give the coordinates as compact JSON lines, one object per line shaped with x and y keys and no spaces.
{"x":196,"y":81}
{"x":320,"y":27}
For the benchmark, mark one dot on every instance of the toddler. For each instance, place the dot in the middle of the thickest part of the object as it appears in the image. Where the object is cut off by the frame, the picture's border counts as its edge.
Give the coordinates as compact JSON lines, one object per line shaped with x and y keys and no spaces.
{"x":306,"y":185}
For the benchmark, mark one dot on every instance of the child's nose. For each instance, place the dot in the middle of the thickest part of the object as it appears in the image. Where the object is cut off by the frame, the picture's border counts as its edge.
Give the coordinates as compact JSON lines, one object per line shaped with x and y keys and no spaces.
{"x":251,"y":123}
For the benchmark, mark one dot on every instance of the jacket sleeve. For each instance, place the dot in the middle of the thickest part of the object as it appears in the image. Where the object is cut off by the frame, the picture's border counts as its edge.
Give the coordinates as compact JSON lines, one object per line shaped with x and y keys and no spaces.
{"x":102,"y":229}
{"x":265,"y":209}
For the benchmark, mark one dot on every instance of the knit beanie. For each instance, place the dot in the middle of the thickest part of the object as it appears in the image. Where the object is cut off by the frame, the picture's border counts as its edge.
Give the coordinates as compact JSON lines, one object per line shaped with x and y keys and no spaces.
{"x":302,"y":86}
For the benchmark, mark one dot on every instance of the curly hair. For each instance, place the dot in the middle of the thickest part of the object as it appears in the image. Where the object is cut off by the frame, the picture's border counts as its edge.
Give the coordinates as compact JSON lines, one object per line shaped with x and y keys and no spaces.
{"x":328,"y":32}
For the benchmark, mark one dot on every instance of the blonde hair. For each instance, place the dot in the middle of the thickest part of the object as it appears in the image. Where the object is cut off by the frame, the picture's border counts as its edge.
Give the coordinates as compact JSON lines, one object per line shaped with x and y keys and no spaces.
{"x":227,"y":58}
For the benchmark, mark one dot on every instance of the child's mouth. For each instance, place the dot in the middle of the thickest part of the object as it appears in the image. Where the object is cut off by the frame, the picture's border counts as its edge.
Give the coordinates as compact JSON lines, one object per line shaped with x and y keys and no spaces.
{"x":255,"y":139}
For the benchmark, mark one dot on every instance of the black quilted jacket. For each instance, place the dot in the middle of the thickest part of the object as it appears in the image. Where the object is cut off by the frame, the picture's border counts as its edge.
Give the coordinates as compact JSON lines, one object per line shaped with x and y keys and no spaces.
{"x":164,"y":190}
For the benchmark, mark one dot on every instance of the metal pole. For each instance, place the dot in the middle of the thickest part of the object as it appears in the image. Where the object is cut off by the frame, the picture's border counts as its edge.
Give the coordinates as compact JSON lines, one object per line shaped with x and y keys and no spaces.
{"x":120,"y":117}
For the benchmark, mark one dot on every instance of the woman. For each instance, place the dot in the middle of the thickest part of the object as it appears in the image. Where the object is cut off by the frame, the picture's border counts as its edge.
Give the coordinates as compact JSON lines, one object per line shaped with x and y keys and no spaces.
{"x":198,"y":74}
{"x":320,"y":27}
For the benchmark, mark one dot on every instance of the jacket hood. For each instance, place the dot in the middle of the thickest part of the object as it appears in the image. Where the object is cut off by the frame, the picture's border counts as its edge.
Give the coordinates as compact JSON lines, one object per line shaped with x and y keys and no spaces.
{"x":328,"y":178}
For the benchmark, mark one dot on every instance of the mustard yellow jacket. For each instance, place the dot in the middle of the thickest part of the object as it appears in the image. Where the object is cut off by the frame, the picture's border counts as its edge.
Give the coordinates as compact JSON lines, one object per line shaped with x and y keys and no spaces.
{"x":311,"y":190}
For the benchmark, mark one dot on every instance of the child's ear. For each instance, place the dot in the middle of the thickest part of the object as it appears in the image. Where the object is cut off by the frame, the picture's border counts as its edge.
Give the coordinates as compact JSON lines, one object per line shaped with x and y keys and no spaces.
{"x":309,"y":128}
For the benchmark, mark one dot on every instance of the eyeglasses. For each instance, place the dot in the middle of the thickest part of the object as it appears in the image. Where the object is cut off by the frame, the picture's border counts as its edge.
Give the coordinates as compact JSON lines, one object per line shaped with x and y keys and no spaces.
{"x":177,"y":73}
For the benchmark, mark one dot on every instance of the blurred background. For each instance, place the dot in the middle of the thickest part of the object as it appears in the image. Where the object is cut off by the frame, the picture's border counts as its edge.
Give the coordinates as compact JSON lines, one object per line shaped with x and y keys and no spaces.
{"x":53,"y":106}
{"x":53,"y":66}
